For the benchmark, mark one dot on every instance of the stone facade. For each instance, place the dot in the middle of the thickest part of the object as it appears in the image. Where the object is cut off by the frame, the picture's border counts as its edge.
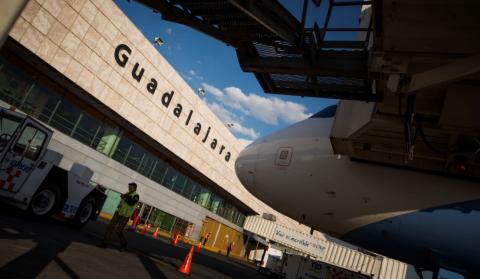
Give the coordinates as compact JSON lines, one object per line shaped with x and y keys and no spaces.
{"x":78,"y":38}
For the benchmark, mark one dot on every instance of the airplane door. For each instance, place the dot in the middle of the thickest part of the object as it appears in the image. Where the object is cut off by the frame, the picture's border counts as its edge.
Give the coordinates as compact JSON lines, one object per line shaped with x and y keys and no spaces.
{"x":23,"y":154}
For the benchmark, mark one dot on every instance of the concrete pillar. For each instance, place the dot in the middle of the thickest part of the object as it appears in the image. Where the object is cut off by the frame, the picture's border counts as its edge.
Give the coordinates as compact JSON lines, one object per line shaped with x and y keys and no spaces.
{"x":9,"y":13}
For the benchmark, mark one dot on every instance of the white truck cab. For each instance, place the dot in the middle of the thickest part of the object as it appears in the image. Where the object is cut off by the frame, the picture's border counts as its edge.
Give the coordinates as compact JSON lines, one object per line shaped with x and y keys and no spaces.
{"x":30,"y":176}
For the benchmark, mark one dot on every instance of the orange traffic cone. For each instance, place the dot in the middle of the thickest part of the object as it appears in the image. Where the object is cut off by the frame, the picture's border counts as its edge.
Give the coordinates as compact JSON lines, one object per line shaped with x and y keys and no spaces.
{"x":187,"y":262}
{"x":144,"y":230}
{"x":175,"y":239}
{"x":155,"y":233}
{"x":199,"y":246}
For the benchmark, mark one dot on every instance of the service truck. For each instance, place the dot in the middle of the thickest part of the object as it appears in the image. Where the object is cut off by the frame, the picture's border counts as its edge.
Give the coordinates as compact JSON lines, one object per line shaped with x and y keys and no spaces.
{"x":268,"y":260}
{"x":300,"y":267}
{"x":31,"y":178}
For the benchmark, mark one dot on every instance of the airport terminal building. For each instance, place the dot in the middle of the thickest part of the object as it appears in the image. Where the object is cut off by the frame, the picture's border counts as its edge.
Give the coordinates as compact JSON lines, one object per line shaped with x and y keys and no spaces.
{"x":117,"y":106}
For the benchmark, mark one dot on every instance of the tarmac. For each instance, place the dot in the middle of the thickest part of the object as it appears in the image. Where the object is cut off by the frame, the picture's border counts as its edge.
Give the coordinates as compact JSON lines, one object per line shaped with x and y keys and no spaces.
{"x":52,"y":249}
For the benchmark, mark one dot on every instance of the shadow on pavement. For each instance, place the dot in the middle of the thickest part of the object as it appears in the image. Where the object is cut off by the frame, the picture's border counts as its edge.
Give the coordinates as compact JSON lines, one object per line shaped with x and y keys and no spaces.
{"x":49,"y":238}
{"x":151,"y":267}
{"x":204,"y":264}
{"x":30,"y":264}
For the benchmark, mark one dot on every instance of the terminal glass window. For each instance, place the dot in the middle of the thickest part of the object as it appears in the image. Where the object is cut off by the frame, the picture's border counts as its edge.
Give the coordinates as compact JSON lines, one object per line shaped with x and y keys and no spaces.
{"x":135,"y":157}
{"x":123,"y":149}
{"x":87,"y":129}
{"x":158,"y":172}
{"x":14,"y":85}
{"x":107,"y":140}
{"x":228,"y":211}
{"x":170,"y":177}
{"x":180,"y":226}
{"x":203,"y":196}
{"x":145,"y":213}
{"x":41,"y":103}
{"x":216,"y":204}
{"x":161,"y":219}
{"x":65,"y":118}
{"x":147,"y":164}
{"x":179,"y":183}
{"x":235,"y":215}
{"x":189,"y":188}
{"x":241,"y":219}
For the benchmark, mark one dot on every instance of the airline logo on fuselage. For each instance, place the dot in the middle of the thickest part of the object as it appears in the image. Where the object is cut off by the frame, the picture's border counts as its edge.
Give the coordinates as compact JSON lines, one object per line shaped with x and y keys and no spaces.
{"x":283,"y":157}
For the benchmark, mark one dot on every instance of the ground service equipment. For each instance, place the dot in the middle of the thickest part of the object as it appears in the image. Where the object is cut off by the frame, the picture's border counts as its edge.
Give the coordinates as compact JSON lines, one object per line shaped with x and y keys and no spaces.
{"x":31,"y":178}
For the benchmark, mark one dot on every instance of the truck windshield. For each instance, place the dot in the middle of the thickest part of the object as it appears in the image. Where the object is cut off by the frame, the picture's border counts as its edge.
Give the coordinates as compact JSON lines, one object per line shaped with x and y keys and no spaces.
{"x":8,"y":126}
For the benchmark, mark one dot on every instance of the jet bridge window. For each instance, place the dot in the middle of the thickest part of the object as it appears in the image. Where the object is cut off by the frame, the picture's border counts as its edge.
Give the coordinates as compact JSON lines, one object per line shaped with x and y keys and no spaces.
{"x":30,"y":143}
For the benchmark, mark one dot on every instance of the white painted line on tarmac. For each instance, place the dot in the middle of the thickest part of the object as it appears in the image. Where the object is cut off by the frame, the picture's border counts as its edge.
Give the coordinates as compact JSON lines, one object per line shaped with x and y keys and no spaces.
{"x":10,"y":231}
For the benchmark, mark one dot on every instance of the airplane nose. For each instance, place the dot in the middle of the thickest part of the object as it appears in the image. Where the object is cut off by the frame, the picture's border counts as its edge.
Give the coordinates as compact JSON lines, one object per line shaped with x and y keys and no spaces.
{"x":245,"y":166}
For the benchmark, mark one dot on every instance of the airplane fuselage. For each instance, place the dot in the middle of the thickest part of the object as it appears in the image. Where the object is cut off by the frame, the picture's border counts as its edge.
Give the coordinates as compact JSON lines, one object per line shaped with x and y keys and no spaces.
{"x":423,"y":219}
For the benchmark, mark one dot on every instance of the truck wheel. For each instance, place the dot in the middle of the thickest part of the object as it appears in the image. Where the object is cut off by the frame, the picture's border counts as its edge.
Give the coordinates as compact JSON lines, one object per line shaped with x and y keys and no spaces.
{"x":45,"y":201}
{"x":85,"y":212}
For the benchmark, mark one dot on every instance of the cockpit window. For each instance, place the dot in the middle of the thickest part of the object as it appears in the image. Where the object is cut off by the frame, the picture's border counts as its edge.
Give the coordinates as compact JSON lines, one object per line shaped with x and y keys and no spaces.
{"x":327,"y":112}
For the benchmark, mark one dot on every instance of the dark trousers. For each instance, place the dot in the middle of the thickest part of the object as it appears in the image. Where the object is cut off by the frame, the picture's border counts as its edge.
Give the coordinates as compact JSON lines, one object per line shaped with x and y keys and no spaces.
{"x":117,"y":224}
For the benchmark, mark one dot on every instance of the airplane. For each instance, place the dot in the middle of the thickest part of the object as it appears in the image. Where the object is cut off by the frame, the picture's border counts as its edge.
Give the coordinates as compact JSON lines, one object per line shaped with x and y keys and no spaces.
{"x":424,"y":219}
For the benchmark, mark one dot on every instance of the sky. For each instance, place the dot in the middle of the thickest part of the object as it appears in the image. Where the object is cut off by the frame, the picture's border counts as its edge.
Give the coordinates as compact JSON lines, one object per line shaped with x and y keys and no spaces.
{"x":234,"y":96}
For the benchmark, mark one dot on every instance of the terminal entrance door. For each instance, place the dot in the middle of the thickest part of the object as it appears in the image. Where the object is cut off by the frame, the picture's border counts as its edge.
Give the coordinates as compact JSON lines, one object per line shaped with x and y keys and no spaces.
{"x":221,"y":236}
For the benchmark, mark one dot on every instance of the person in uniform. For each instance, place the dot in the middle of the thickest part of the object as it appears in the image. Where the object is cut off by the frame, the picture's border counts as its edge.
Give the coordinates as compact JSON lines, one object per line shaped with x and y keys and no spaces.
{"x":205,"y":238}
{"x":229,"y":248}
{"x":122,"y":215}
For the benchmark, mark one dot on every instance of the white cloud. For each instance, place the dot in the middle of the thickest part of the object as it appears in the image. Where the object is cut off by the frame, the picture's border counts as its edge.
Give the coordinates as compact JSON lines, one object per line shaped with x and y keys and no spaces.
{"x":227,"y":116}
{"x":191,"y":75}
{"x":213,"y":90}
{"x":270,"y":110}
{"x":168,"y":31}
{"x":222,"y":113}
{"x":187,"y":77}
{"x":245,"y":142}
{"x":249,"y":132}
{"x":195,"y":75}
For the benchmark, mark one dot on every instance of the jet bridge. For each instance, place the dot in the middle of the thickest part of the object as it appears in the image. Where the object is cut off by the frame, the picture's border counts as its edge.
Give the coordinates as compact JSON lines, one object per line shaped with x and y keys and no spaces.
{"x":285,"y":56}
